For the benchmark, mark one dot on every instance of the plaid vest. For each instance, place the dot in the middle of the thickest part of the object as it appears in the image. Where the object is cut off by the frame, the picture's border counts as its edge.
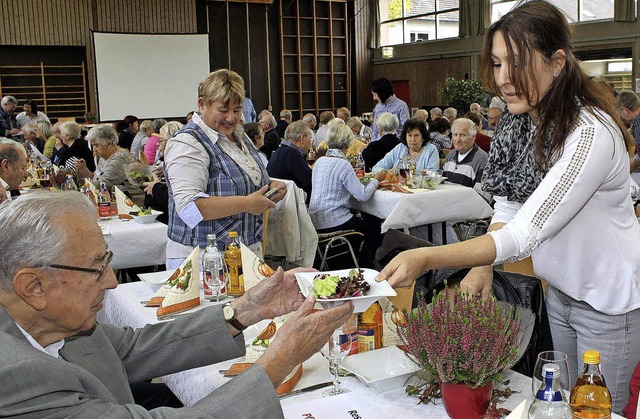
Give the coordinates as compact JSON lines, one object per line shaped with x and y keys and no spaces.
{"x":226,"y":178}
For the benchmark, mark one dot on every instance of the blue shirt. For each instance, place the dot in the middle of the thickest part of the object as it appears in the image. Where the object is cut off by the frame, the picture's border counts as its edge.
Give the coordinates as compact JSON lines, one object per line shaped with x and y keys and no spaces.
{"x":248,"y":111}
{"x":428,"y":159}
{"x":394,"y":106}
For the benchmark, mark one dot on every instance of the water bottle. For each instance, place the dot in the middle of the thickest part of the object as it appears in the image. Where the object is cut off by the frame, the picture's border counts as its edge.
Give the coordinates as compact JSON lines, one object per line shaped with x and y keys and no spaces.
{"x":549,"y":401}
{"x":359,"y":166}
{"x":213,"y":270}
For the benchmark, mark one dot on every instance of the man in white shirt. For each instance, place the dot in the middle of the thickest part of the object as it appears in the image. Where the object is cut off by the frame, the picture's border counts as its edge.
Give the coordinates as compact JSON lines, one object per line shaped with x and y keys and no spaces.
{"x":13,"y":168}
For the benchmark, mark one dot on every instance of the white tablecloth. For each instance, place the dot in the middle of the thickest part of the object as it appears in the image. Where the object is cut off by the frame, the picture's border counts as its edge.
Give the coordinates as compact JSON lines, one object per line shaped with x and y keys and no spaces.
{"x":134,"y":244}
{"x":122,"y":308}
{"x":448,"y":202}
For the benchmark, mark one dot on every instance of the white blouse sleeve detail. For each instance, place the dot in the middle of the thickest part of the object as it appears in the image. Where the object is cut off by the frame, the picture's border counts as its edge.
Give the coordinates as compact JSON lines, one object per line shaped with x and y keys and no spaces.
{"x":586,"y":162}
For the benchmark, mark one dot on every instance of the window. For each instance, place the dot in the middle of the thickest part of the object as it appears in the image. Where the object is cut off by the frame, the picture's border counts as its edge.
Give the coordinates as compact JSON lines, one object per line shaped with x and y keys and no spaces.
{"x":406,"y":21}
{"x":576,"y":10}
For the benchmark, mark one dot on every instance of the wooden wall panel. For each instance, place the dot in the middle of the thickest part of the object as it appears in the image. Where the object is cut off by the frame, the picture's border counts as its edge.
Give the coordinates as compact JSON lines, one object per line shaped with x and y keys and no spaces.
{"x":426,"y":77}
{"x":70,"y":22}
{"x":362,"y":100}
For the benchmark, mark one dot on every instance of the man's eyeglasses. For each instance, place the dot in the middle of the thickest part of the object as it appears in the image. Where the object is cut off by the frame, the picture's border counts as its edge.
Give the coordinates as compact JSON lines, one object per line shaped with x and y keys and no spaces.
{"x":107,"y":259}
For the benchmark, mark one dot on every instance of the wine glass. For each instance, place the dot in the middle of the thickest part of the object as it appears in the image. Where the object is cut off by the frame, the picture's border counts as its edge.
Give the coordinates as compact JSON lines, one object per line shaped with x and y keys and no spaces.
{"x":335,"y":350}
{"x":216,"y":280}
{"x":552,"y":357}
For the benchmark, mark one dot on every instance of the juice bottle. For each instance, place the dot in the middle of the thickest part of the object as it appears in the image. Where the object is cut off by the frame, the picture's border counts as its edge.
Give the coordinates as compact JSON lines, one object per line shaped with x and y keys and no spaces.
{"x":233,"y":258}
{"x":590,"y":397}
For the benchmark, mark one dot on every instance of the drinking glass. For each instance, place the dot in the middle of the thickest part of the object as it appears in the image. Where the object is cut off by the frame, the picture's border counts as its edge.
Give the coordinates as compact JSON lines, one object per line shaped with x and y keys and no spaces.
{"x":335,"y":350}
{"x":555,"y":357}
{"x":216,"y":283}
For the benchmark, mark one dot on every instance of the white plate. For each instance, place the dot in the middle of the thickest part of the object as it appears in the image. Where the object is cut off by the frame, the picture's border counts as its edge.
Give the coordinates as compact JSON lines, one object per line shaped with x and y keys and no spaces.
{"x":146,"y":219}
{"x":383,"y":370}
{"x":157,"y":277}
{"x":362,"y":303}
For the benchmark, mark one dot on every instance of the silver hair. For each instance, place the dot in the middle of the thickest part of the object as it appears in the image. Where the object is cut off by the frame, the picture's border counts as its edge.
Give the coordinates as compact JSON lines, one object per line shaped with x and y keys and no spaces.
{"x":450,"y":112}
{"x":157,"y":124}
{"x":31,"y":231}
{"x":339,"y":136}
{"x":295,"y":130}
{"x":72,"y":129}
{"x":354,"y":122}
{"x":387,"y":123}
{"x":102,"y":134}
{"x":9,"y":99}
{"x":435,"y":112}
{"x":30,"y":127}
{"x":471,"y":126}
{"x":14,"y":143}
{"x":270,"y":119}
{"x":285,"y":114}
{"x":169,"y":129}
{"x":309,"y":117}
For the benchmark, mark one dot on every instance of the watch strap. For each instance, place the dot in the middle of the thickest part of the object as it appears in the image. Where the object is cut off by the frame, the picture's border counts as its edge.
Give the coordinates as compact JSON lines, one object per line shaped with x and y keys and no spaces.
{"x":233,"y":321}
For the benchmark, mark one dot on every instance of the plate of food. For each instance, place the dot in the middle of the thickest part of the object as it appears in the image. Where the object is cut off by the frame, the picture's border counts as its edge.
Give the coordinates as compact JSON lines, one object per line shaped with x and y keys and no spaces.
{"x":335,"y":287}
{"x":146,"y":215}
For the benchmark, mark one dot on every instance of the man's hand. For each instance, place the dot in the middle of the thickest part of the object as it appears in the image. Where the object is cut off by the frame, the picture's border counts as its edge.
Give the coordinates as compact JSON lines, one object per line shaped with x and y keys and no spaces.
{"x":274,"y":296}
{"x":301,"y":336}
{"x":257,"y":203}
{"x":403,"y":269}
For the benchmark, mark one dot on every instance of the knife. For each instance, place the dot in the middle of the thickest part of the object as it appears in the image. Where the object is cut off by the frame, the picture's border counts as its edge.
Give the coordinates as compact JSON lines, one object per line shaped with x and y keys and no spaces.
{"x":306,"y":390}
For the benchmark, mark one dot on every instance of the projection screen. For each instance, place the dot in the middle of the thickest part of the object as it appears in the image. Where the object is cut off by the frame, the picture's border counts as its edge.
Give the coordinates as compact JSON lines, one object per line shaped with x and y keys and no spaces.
{"x":149,"y":76}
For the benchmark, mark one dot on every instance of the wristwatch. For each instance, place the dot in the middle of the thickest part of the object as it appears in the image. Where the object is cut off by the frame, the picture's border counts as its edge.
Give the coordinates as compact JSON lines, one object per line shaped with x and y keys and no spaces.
{"x":229,"y":313}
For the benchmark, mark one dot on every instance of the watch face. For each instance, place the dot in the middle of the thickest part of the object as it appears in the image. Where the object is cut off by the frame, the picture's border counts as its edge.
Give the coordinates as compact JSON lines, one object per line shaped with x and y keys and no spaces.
{"x":228,"y":311}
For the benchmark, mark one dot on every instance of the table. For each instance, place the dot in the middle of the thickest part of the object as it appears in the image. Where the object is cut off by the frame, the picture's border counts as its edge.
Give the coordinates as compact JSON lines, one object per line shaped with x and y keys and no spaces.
{"x":448,"y":202}
{"x":122,"y":308}
{"x":134,"y":244}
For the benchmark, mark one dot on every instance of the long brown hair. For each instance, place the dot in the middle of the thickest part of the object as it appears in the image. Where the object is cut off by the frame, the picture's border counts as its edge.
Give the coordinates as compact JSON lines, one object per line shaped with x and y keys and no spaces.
{"x":537,"y":26}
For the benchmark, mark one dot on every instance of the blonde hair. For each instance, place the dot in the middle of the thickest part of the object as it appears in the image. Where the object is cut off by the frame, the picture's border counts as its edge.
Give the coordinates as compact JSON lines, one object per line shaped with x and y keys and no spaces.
{"x":222,"y":85}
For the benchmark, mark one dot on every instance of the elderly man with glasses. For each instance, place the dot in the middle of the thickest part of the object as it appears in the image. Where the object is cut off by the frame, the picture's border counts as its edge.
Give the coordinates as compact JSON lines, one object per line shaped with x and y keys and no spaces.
{"x":57,"y":361}
{"x":8,"y":123}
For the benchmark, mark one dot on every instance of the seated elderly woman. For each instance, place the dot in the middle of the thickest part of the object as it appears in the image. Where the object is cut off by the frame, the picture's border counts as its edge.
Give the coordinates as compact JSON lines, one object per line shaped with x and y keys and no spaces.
{"x":72,"y":148}
{"x":215,"y":178}
{"x":387,"y":125}
{"x":141,"y":138}
{"x":355,"y":148}
{"x":360,"y":130}
{"x":113,"y":159}
{"x":439,"y":130}
{"x":414,"y":146}
{"x":334,"y":183}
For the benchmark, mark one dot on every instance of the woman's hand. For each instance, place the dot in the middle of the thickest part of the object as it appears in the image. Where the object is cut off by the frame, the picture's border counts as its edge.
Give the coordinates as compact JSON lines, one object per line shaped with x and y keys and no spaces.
{"x":257,"y":203}
{"x":403,"y":269}
{"x":148,"y":186}
{"x":381,"y":175}
{"x":282,"y":190}
{"x":478,"y":282}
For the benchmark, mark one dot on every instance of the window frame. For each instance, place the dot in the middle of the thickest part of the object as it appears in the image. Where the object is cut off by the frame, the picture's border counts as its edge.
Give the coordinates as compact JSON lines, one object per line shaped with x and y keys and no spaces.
{"x":578,"y":11}
{"x":405,"y":18}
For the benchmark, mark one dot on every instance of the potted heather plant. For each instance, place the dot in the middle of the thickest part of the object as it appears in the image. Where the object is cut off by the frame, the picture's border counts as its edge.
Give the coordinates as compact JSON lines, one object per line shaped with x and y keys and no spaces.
{"x":465,"y":344}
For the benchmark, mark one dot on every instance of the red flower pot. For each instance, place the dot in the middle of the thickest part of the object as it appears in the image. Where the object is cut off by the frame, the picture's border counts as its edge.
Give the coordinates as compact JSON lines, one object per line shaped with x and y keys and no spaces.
{"x":462,"y":402}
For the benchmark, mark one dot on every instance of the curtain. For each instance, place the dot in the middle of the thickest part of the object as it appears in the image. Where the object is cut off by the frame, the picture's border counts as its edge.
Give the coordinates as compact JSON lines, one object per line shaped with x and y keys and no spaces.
{"x":624,"y":11}
{"x":475,"y":17}
{"x":374,"y":24}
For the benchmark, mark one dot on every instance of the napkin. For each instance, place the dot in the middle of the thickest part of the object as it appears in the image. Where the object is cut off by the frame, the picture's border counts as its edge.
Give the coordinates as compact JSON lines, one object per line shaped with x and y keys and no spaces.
{"x":125,"y":204}
{"x":253,"y":268}
{"x":182,"y":290}
{"x":519,"y":412}
{"x":258,"y":347}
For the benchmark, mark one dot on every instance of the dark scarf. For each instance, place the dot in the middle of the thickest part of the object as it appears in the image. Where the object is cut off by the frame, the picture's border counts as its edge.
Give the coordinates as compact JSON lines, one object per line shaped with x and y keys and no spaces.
{"x":511,"y":169}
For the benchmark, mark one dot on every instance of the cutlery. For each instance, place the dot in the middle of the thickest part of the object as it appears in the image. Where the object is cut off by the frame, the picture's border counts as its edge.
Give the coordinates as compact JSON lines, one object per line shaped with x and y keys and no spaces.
{"x":306,"y":389}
